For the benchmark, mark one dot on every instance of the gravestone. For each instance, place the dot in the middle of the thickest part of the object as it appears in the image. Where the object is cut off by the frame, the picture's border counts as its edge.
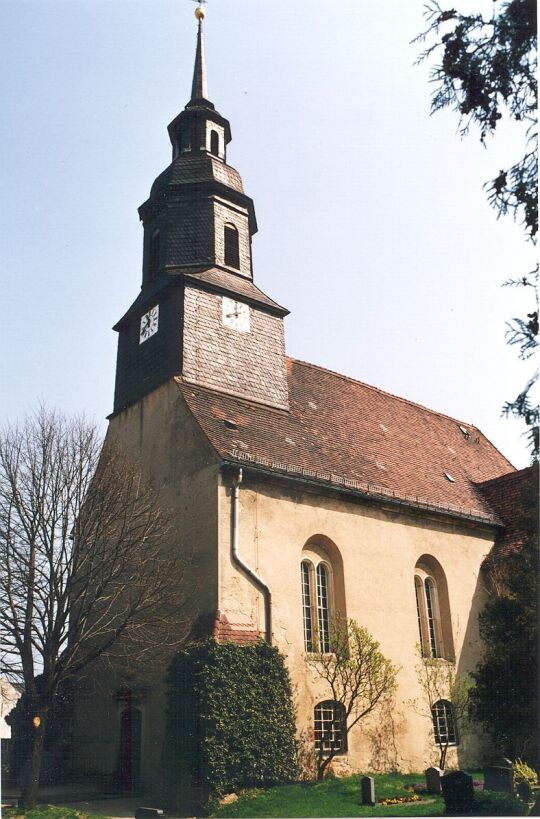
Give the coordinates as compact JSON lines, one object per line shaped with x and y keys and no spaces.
{"x":524,"y":791}
{"x":368,"y":790}
{"x":458,"y":792}
{"x":499,"y":775}
{"x":433,"y":780}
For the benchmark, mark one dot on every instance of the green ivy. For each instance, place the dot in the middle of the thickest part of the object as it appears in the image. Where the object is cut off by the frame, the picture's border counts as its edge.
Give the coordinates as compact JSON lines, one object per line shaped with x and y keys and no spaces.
{"x":230,"y":717}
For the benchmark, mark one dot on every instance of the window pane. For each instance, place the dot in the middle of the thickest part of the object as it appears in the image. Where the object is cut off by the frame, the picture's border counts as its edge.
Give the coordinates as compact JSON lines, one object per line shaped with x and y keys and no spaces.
{"x":430,"y":605}
{"x":306,"y":607}
{"x":322,"y":608}
{"x":443,"y":723}
{"x":419,"y":608}
{"x":329,"y":725}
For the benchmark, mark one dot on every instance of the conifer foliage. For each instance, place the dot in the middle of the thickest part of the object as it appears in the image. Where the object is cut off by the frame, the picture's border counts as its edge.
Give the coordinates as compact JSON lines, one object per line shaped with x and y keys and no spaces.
{"x":485,"y":69}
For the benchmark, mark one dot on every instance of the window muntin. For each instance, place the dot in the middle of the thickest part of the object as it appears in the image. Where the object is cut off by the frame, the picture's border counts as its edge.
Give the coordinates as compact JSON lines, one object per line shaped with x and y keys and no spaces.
{"x":444,"y":727}
{"x":317,"y":605}
{"x":232,"y":250}
{"x":330,"y":727}
{"x":431,"y":602}
{"x":323,"y":608}
{"x":307,"y":606}
{"x":419,"y":607}
{"x":428,"y":614}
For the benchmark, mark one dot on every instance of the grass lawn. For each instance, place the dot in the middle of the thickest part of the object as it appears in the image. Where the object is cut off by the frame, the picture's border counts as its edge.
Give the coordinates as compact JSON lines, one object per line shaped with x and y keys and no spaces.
{"x":48,"y":812}
{"x":333,"y":797}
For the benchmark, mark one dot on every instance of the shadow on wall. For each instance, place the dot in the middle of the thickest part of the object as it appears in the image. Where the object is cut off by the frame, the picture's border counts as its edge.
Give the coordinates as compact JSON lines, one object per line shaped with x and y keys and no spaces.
{"x":475,"y":747}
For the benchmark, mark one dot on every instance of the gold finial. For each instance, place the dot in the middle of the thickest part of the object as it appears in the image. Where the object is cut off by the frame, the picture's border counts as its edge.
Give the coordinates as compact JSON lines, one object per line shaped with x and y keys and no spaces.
{"x":200,"y":13}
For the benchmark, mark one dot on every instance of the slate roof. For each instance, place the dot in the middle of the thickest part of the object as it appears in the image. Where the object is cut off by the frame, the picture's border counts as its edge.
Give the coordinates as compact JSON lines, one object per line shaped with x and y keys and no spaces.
{"x":342,"y":433}
{"x":236,"y":285}
{"x":197,"y":169}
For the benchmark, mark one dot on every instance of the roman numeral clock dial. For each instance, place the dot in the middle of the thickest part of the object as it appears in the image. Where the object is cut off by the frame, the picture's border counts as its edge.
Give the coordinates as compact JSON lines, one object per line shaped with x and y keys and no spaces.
{"x":149,"y":324}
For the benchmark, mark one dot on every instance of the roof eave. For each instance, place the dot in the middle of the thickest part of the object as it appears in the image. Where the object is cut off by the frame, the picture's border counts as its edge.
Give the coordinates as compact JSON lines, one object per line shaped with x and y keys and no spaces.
{"x":491,"y":522}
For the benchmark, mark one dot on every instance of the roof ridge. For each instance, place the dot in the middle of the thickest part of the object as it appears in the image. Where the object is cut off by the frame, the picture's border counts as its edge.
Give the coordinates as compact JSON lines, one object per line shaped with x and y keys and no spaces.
{"x":506,"y":476}
{"x":390,"y":395}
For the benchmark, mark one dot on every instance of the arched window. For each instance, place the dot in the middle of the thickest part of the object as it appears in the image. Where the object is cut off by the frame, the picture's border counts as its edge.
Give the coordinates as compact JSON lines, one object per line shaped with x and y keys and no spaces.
{"x":444,"y":726}
{"x":317,"y":605}
{"x":232,"y":253}
{"x":330,"y":727}
{"x":155,"y":253}
{"x":432,"y":609}
{"x":214,"y":143}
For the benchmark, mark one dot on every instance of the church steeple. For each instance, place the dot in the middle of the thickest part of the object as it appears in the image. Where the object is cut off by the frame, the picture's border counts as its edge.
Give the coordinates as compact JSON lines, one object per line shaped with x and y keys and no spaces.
{"x":199,"y":87}
{"x":199,"y":315}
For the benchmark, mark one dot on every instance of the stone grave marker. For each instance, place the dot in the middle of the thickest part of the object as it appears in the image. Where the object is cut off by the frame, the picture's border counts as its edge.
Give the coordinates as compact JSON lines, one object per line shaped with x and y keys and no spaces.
{"x":499,"y":775}
{"x":433,"y":779}
{"x":458,"y":792}
{"x":368,"y":790}
{"x":524,"y":791}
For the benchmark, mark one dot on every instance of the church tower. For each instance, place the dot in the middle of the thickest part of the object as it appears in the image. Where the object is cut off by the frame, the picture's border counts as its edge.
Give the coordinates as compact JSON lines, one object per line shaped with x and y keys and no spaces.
{"x":199,"y":315}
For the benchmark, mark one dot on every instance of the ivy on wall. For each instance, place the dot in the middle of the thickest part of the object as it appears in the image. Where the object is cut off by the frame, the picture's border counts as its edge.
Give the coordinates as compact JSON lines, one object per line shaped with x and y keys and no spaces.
{"x":230,"y":717}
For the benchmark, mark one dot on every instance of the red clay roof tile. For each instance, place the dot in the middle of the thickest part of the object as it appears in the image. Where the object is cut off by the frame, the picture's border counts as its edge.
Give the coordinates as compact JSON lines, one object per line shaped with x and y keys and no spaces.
{"x":351,"y":434}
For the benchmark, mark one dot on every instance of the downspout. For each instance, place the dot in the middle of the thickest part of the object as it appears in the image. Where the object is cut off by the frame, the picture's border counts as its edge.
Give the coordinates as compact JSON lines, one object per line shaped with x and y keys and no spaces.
{"x":261,"y":585}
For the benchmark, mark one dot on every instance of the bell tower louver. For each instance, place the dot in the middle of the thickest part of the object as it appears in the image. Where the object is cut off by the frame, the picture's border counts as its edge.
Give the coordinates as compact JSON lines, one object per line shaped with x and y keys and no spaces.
{"x":199,"y":315}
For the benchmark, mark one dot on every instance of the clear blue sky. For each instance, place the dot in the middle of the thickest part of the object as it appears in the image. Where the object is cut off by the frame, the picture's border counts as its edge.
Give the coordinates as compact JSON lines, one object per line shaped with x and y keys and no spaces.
{"x":374,"y":229}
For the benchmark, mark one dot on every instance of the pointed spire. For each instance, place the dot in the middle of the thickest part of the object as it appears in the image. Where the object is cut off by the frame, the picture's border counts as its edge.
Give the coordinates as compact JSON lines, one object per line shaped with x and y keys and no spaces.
{"x":199,"y":89}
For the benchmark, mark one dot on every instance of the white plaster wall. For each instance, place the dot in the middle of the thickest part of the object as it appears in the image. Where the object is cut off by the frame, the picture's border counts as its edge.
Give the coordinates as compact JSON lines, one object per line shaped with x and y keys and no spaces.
{"x":379,"y":548}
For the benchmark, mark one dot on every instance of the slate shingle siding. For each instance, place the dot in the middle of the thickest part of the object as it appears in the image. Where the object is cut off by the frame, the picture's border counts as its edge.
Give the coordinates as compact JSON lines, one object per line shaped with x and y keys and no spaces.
{"x":190,"y":233}
{"x":142,"y":367}
{"x":223,"y":215}
{"x":248,"y":364}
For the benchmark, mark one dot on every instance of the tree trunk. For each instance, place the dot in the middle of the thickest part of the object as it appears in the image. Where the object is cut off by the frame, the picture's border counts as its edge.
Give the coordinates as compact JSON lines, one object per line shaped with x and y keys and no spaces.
{"x":32,"y":765}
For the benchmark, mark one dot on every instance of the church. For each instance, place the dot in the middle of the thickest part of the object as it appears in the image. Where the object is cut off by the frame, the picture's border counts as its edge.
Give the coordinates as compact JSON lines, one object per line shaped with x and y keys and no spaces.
{"x":301,"y":493}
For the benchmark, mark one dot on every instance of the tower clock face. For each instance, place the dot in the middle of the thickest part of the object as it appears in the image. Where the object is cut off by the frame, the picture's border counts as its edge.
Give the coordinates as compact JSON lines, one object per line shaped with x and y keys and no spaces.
{"x":149,"y":324}
{"x":235,"y":315}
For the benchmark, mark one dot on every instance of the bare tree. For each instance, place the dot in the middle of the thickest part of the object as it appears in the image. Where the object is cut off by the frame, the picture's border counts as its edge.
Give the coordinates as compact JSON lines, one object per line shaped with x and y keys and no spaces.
{"x":90,"y":569}
{"x":444,"y":701}
{"x":360,"y":678}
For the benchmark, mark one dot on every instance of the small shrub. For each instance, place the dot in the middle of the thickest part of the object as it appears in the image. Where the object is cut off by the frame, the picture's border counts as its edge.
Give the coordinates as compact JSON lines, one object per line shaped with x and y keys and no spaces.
{"x":524,"y":773}
{"x":493,"y":803}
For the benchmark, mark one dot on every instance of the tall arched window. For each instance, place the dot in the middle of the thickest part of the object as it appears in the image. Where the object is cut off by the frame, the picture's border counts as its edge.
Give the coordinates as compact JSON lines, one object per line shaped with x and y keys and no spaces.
{"x":330,"y":727}
{"x":317,"y":605}
{"x":214,"y":143}
{"x":432,"y":609}
{"x":155,"y":253}
{"x":444,"y":726}
{"x":232,"y":252}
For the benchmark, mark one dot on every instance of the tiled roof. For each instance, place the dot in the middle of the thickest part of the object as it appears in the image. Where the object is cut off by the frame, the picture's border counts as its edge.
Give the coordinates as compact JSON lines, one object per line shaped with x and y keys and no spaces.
{"x":514,"y":498}
{"x":346,"y":434}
